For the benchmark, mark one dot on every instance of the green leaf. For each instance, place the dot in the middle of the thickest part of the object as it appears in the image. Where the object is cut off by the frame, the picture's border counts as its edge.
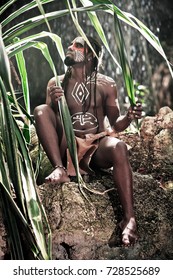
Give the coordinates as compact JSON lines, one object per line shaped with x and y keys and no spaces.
{"x":20,"y":11}
{"x":29,"y":41}
{"x":24,"y":77}
{"x":40,"y":6}
{"x":25,"y":87}
{"x":109,"y":7}
{"x":29,"y":188}
{"x":69,"y":133}
{"x":79,"y":28}
{"x":4,"y":63}
{"x":127,"y":73}
{"x":11,"y":223}
{"x":10,"y":146}
{"x":6,"y":6}
{"x":20,"y":171}
{"x":97,"y":25}
{"x":13,"y":214}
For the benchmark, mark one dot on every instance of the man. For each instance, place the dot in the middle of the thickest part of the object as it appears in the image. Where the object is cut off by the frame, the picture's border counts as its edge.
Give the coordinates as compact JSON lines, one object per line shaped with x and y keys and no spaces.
{"x":91,"y":97}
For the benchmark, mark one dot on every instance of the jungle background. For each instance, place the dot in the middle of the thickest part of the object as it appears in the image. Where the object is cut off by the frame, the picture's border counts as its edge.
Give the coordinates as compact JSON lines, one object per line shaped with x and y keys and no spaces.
{"x":147,"y":65}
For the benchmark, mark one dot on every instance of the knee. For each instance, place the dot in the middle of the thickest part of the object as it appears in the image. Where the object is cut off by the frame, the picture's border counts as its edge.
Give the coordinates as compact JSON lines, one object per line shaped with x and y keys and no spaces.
{"x":40,"y":110}
{"x":120,"y":150}
{"x":120,"y":145}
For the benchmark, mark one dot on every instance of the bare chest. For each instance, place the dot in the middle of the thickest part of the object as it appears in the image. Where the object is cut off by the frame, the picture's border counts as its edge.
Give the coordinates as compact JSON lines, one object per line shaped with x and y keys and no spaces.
{"x":84,"y":100}
{"x":82,"y":96}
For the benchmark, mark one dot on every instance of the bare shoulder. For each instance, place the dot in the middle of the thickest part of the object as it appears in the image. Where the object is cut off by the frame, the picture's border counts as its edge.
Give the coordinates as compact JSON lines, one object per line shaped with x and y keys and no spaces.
{"x":52,"y":81}
{"x":106,"y":84}
{"x":105,"y":80}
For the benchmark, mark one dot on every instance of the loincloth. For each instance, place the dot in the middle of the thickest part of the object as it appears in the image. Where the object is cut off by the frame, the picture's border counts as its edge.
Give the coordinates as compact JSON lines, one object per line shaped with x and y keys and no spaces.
{"x":85,"y":150}
{"x":86,"y":147}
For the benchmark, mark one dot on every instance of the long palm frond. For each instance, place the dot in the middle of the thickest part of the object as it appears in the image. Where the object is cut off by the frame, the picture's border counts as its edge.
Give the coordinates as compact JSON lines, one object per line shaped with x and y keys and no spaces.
{"x":19,"y":166}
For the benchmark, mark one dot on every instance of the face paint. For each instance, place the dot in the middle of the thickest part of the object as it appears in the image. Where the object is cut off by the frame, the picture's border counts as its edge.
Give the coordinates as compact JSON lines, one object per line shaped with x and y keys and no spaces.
{"x":79,"y":57}
{"x":78,"y":43}
{"x":75,"y":53}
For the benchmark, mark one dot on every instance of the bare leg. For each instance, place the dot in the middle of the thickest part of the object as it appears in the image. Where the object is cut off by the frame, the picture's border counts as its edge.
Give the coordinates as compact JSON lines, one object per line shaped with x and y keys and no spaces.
{"x":50,"y":133}
{"x":112,"y":152}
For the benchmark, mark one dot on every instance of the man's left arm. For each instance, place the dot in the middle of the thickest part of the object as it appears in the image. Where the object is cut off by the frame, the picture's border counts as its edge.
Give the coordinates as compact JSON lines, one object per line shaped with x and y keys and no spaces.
{"x":118,"y":122}
{"x":133,"y":113}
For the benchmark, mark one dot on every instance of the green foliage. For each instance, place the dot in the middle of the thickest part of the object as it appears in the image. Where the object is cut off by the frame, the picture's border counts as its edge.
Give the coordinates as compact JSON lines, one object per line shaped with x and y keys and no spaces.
{"x":21,"y":205}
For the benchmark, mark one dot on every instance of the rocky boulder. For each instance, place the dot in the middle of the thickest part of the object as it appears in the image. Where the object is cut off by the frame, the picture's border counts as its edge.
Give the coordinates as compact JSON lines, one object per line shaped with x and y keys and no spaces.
{"x":87,"y":227}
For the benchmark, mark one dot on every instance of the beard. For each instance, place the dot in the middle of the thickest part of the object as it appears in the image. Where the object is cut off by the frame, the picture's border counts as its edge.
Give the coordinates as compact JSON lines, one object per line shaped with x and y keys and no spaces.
{"x":78,"y":58}
{"x":69,"y":61}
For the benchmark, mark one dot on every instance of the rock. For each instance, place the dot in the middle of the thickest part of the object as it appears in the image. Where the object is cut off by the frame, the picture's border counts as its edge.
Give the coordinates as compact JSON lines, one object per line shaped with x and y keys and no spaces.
{"x":163,"y":112}
{"x":77,"y":226}
{"x":148,"y":129}
{"x":167,"y":121}
{"x":157,"y":144}
{"x":81,"y":231}
{"x":163,"y":146}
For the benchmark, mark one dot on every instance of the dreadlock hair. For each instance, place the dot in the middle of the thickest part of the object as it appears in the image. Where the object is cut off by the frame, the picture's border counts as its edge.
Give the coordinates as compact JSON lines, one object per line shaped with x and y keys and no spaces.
{"x":96,"y":63}
{"x":98,"y":50}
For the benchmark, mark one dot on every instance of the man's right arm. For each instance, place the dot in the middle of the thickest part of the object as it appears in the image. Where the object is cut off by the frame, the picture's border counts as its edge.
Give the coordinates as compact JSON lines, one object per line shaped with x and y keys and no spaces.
{"x":48,"y":97}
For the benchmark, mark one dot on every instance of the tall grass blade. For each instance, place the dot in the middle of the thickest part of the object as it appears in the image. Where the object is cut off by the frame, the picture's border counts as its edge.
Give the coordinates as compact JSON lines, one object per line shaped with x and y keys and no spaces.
{"x":19,"y":163}
{"x":16,"y":250}
{"x":27,"y":191}
{"x":96,"y":5}
{"x":45,"y":51}
{"x":22,"y":27}
{"x":15,"y":246}
{"x":4,"y":63}
{"x":68,"y":128}
{"x":12,"y":213}
{"x":25,"y":88}
{"x":21,"y":10}
{"x":13,"y":218}
{"x":10,"y":147}
{"x":29,"y":41}
{"x":9,"y":177}
{"x":29,"y":188}
{"x":127,"y":73}
{"x":6,"y":6}
{"x":40,"y":7}
{"x":131,"y":20}
{"x":79,"y":28}
{"x":24,"y":78}
{"x":70,"y":136}
{"x":152,"y":39}
{"x":98,"y":27}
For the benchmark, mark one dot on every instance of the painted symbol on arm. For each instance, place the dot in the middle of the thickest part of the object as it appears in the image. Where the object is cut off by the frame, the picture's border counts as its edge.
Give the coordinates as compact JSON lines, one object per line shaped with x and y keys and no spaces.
{"x":105,"y":81}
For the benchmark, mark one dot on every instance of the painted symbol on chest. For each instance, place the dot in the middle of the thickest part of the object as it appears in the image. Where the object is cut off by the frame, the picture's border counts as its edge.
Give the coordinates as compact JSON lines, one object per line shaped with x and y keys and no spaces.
{"x":80,"y":93}
{"x":84,"y":119}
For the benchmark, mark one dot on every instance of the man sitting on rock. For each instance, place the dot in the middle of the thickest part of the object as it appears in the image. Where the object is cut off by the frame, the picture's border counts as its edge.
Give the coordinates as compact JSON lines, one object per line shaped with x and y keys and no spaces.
{"x":91,"y":96}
